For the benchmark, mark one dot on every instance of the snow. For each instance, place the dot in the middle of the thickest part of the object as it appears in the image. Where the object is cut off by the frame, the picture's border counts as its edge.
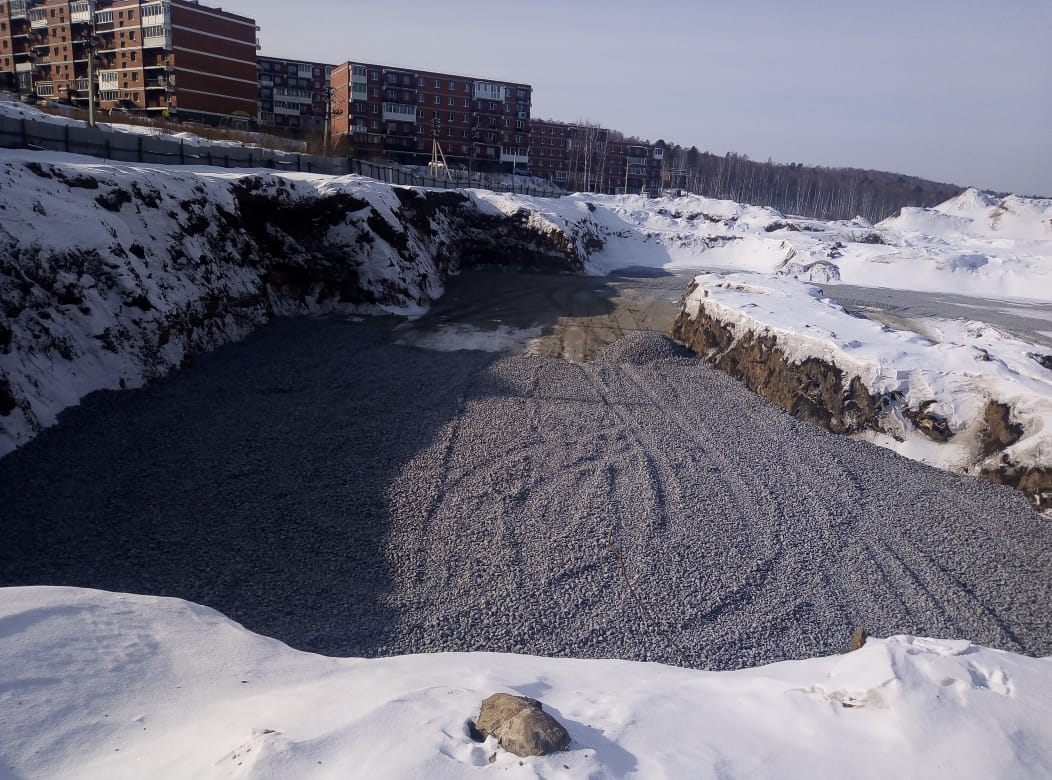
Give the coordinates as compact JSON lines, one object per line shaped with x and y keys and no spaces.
{"x":959,"y":367}
{"x":975,"y":245}
{"x":103,"y":685}
{"x":11,"y":107}
{"x":52,"y":220}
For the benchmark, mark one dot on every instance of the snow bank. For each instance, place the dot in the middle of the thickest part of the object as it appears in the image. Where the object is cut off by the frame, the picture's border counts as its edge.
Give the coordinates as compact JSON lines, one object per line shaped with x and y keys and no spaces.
{"x":112,"y":274}
{"x":950,"y":381}
{"x":105,"y":685}
{"x":974,"y":245}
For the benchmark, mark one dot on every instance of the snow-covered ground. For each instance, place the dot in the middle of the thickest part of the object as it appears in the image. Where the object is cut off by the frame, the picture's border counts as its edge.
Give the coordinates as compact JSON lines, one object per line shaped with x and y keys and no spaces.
{"x":974,"y":245}
{"x":11,"y":107}
{"x":103,"y":685}
{"x":106,"y":685}
{"x":112,"y":273}
{"x":953,"y":373}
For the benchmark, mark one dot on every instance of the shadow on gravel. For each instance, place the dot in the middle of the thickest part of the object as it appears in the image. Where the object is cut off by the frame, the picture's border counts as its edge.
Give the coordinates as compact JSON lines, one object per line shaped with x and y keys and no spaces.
{"x":253,"y":482}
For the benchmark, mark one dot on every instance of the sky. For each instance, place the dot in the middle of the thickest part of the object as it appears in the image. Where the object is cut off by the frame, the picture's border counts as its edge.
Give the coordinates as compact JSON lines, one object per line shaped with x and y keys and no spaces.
{"x":952,"y":90}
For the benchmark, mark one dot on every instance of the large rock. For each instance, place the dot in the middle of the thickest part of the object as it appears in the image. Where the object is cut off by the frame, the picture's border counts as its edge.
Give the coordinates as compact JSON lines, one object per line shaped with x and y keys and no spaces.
{"x":521,"y":726}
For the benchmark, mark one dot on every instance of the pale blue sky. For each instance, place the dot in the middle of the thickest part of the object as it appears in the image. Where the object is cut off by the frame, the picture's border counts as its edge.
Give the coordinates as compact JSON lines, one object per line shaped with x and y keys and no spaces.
{"x":954,"y":90}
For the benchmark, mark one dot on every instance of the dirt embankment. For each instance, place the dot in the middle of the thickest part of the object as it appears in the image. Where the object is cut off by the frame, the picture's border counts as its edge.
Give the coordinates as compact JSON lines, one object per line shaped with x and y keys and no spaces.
{"x":177,"y":264}
{"x":819,"y":392}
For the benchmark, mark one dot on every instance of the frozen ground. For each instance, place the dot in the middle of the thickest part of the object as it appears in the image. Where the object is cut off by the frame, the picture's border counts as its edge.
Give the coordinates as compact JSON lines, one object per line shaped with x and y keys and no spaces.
{"x":326,"y":485}
{"x":110,"y":686}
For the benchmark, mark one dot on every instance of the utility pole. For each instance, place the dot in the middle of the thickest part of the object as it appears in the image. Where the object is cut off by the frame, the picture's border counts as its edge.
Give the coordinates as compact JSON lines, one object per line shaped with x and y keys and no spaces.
{"x":436,"y":151}
{"x":626,"y":170}
{"x":92,"y":46}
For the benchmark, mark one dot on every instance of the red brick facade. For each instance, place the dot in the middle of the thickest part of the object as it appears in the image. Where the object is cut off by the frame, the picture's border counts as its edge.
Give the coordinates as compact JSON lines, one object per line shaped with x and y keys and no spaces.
{"x":154,"y":56}
{"x":593,"y":159}
{"x":395,"y":112}
{"x":293,"y":94}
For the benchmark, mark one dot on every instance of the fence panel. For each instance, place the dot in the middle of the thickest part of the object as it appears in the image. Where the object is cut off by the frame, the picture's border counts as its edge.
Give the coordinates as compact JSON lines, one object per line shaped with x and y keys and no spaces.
{"x":161,"y":150}
{"x":136,"y":148}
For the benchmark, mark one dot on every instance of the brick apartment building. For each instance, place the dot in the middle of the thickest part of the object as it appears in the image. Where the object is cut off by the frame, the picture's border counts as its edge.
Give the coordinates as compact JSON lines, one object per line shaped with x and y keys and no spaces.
{"x":293,"y":94}
{"x":170,"y":57}
{"x":381,"y":111}
{"x":593,"y":159}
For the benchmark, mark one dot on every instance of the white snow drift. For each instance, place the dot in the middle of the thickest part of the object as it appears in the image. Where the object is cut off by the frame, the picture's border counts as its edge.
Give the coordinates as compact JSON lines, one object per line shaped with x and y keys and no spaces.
{"x":103,"y":685}
{"x":959,"y":368}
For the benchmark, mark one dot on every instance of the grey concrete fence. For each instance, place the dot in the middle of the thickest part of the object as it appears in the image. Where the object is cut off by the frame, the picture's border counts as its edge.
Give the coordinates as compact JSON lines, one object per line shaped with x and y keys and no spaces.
{"x":23,"y":133}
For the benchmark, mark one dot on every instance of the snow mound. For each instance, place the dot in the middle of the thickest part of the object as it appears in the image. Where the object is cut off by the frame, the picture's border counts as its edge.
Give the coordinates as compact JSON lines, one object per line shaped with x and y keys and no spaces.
{"x":970,"y":203}
{"x":955,"y":377}
{"x":979,"y":215}
{"x":108,"y":685}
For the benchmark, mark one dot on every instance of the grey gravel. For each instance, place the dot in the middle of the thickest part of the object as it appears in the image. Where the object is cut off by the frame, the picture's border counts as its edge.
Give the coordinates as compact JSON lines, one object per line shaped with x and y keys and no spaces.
{"x":323,"y":485}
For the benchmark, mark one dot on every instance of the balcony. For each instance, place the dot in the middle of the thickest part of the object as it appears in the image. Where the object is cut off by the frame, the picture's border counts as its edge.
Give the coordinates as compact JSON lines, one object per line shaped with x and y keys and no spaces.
{"x":359,"y":91}
{"x":399,"y":112}
{"x":80,"y":13}
{"x":19,"y":9}
{"x":637,"y":160}
{"x":514,"y":155}
{"x":38,"y":18}
{"x":153,"y":13}
{"x":485,"y":90}
{"x":81,"y":85}
{"x":158,"y":36}
{"x":45,"y":89}
{"x":109,"y":80}
{"x":23,"y":67}
{"x":160,"y":83}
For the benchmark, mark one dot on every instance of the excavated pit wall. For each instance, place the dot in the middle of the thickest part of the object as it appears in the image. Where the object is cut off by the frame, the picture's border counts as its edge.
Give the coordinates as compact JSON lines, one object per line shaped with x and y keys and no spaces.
{"x":818,"y":391}
{"x":184,"y":274}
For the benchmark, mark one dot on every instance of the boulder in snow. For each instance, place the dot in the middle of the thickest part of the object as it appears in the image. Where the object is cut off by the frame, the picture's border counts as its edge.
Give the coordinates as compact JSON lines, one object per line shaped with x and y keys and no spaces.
{"x":521,"y":725}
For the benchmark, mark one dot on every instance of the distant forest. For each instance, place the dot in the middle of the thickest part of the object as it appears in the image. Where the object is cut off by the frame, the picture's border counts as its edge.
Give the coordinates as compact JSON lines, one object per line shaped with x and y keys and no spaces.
{"x":793,"y":188}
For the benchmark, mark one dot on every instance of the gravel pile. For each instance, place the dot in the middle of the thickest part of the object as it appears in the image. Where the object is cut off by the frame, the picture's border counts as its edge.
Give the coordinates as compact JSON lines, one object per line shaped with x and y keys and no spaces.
{"x":325,"y":486}
{"x":642,"y":348}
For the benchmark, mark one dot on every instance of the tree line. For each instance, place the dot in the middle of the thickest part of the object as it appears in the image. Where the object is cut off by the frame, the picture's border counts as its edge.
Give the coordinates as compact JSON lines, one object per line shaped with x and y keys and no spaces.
{"x":793,"y":188}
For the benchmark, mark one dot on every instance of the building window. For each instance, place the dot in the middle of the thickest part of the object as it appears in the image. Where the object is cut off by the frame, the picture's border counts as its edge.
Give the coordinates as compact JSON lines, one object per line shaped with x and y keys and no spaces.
{"x":438,"y":83}
{"x":438,"y":100}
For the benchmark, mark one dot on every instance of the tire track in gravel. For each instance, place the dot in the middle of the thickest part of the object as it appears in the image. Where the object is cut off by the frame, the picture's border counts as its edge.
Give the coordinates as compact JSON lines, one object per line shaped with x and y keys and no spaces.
{"x":349,"y":495}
